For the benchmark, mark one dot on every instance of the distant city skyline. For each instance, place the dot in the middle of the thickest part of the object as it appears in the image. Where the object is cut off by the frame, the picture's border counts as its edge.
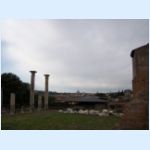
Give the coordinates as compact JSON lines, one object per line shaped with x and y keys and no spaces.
{"x":85,"y":55}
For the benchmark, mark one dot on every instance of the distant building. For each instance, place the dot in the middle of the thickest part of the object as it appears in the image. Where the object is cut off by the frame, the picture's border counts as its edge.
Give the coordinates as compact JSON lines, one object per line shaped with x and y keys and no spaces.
{"x":140,"y":61}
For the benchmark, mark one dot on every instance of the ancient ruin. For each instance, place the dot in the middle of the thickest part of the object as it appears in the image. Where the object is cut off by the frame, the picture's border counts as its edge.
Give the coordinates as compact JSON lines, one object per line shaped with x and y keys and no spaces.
{"x":140,"y":80}
{"x":46,"y":92}
{"x":136,"y":113}
{"x":12,"y":103}
{"x":39,"y":102}
{"x":32,"y":90}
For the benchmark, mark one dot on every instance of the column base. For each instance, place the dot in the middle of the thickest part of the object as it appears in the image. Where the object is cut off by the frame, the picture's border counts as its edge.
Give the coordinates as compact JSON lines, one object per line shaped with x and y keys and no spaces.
{"x":39,"y":110}
{"x":31,"y":109}
{"x":12,"y":113}
{"x":12,"y":110}
{"x":46,"y":107}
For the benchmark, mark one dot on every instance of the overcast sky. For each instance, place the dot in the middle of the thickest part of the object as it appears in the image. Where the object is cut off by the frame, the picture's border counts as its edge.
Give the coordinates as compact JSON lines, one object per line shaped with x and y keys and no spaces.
{"x":85,"y":55}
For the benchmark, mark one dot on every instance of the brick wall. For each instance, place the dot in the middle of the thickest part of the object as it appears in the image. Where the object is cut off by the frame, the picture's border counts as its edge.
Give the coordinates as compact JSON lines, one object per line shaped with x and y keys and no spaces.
{"x":136,"y":112}
{"x":140,"y":60}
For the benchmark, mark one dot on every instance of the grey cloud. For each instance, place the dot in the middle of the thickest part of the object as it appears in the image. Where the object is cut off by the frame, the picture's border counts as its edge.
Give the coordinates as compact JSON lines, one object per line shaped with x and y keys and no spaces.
{"x":90,"y":55}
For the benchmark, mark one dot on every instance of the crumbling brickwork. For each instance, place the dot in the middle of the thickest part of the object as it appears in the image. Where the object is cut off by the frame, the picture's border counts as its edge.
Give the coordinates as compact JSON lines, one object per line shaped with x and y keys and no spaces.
{"x":136,"y":112}
{"x":135,"y":116}
{"x":140,"y":61}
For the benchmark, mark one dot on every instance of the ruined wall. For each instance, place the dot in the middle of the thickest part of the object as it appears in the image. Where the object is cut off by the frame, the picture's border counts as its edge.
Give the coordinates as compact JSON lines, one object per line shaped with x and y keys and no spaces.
{"x":140,"y":62}
{"x":136,"y":112}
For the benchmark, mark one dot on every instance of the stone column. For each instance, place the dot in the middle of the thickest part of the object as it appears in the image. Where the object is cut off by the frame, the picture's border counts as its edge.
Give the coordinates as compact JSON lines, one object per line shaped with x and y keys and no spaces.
{"x":1,"y":98}
{"x":46,"y":92}
{"x":39,"y":103}
{"x":22,"y":110}
{"x":12,"y":103}
{"x":32,"y":90}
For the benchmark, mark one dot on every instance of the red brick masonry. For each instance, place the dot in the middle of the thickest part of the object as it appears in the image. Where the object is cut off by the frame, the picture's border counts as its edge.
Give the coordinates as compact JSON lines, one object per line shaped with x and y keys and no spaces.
{"x":136,"y":112}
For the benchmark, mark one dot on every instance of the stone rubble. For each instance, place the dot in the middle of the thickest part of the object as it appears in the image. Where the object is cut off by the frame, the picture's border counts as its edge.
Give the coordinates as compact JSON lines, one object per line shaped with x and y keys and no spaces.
{"x":104,"y":112}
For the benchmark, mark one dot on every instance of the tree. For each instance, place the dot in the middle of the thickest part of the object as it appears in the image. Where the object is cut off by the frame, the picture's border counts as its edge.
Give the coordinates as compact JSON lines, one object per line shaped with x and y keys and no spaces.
{"x":11,"y":83}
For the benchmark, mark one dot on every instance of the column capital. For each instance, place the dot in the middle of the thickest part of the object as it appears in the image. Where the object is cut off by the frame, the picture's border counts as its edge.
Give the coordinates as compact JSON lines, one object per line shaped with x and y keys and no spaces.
{"x":33,"y":71}
{"x":46,"y":75}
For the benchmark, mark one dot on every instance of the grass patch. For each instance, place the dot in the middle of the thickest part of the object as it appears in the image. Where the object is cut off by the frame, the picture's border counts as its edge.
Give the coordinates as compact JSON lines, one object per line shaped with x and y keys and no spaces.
{"x":57,"y":121}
